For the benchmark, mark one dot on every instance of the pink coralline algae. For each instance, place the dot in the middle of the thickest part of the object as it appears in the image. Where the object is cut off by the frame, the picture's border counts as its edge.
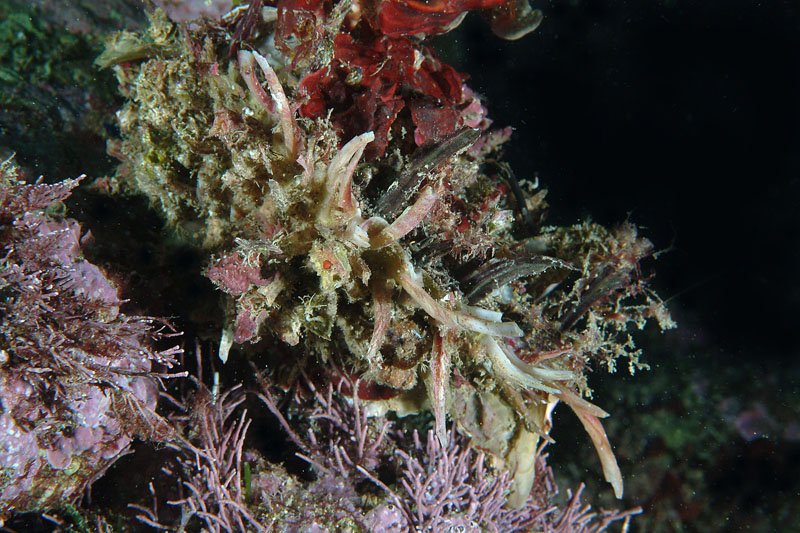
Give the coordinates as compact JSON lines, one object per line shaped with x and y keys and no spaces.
{"x":75,"y":373}
{"x":440,"y":487}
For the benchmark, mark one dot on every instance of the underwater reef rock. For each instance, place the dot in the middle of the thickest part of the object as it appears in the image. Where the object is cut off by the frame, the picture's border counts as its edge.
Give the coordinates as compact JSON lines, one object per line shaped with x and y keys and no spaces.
{"x":77,"y":376}
{"x":54,"y":107}
{"x":344,"y":184}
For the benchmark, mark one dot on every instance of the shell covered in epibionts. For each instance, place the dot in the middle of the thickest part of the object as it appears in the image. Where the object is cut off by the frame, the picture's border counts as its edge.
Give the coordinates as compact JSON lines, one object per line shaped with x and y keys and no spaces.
{"x":346,"y":188}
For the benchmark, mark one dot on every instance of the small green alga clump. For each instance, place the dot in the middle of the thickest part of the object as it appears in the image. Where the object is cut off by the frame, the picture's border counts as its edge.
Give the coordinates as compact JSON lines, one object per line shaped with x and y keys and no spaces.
{"x":49,"y":89}
{"x":417,"y":270}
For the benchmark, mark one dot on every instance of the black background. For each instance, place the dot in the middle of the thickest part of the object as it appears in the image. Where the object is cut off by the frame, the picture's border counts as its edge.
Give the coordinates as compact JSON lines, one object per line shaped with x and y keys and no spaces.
{"x":685,"y":115}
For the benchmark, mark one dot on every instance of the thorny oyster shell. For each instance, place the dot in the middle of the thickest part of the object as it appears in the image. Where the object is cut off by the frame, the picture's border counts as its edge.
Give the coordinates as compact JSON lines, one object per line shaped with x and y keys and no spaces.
{"x":414,"y":267}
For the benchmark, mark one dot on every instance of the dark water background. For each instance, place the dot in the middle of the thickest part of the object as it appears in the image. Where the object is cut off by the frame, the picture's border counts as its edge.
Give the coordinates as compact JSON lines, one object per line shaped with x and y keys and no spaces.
{"x":685,"y":116}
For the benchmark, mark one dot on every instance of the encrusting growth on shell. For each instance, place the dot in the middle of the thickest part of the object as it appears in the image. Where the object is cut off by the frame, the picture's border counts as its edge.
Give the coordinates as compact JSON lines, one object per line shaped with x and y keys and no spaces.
{"x":359,"y":218}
